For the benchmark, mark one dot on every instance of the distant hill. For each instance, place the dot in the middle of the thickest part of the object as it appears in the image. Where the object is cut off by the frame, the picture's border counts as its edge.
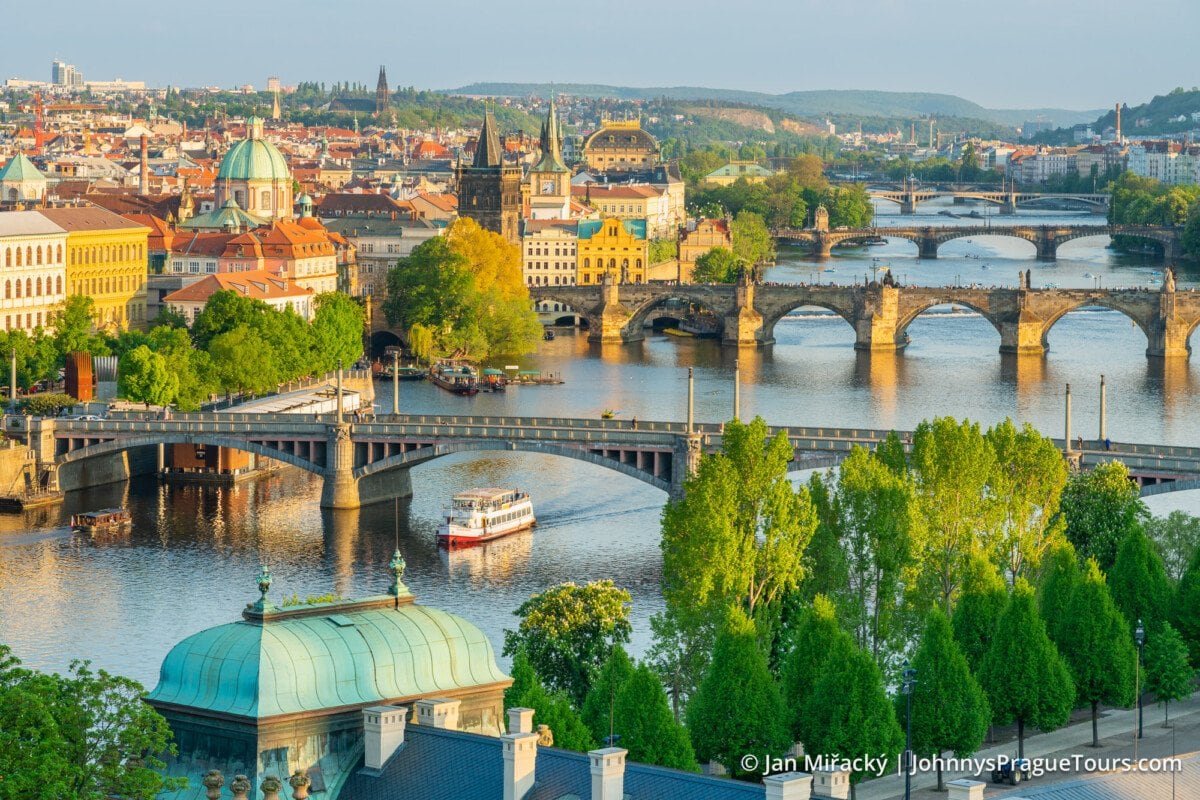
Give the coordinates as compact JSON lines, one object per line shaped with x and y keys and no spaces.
{"x":827,"y":102}
{"x":1160,"y":115}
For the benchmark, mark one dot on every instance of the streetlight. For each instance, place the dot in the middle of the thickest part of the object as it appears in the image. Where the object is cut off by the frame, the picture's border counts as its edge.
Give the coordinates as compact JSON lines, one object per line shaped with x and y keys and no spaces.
{"x":1139,"y":636}
{"x":910,"y":680}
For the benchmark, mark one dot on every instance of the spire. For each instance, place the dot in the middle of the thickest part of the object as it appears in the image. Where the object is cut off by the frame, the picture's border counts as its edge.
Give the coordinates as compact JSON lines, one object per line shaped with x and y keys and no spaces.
{"x":382,"y":96}
{"x":551,"y":160}
{"x":487,"y":150}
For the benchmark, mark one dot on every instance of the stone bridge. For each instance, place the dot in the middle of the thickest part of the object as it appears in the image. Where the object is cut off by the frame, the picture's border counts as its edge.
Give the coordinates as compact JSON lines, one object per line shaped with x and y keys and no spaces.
{"x":928,"y":238}
{"x":909,"y":198}
{"x":361,"y":463}
{"x":880,"y":313}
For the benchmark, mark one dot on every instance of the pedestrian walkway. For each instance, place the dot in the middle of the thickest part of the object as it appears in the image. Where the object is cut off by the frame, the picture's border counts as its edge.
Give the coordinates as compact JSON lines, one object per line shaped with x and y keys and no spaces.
{"x":1116,"y":728}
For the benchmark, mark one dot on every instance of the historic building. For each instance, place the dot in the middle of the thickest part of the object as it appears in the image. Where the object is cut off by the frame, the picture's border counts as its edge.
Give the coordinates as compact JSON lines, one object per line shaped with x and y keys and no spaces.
{"x":698,"y":238}
{"x":21,"y":182}
{"x":382,"y":96}
{"x":294,"y":688}
{"x":549,"y":179}
{"x":34,"y":253}
{"x":276,"y":292}
{"x":734,"y":171}
{"x":489,"y":189}
{"x":613,"y":247}
{"x":620,"y":145}
{"x":255,"y":175}
{"x":650,"y":204}
{"x":106,"y":260}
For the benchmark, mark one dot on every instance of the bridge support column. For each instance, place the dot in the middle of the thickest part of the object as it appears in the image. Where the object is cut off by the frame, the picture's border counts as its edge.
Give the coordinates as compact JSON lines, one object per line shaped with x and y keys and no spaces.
{"x":822,"y":245}
{"x":1009,"y":206}
{"x":611,"y":317}
{"x":877,"y":328}
{"x":340,"y":489}
{"x":744,"y":325}
{"x":929,"y":247}
{"x":1047,"y":247}
{"x":1023,"y":338}
{"x":685,"y":461}
{"x":1167,"y":336}
{"x":908,"y":206}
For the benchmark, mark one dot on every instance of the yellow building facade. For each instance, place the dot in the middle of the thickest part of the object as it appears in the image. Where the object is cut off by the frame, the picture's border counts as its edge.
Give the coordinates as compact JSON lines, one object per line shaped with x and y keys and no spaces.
{"x":106,"y":261}
{"x":618,"y":248}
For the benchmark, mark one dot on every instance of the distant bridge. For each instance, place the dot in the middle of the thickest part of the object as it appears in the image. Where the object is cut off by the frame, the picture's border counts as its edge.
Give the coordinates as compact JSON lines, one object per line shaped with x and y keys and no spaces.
{"x":880,"y":313}
{"x":928,"y":238}
{"x":368,"y":462}
{"x":908,"y":198}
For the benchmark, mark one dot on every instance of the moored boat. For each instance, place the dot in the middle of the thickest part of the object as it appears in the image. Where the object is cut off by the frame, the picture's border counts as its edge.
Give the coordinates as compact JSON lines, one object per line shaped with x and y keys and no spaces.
{"x":456,"y":377}
{"x":480,"y":515}
{"x":494,"y":380}
{"x":106,"y":520}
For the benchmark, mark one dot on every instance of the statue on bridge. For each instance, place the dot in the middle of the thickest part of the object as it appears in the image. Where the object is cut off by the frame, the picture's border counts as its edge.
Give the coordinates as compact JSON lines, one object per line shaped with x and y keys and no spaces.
{"x":1169,"y":280}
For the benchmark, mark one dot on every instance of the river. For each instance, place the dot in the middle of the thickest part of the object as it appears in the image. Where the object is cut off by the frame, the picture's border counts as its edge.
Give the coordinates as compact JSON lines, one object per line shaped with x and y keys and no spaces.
{"x":191,"y":559}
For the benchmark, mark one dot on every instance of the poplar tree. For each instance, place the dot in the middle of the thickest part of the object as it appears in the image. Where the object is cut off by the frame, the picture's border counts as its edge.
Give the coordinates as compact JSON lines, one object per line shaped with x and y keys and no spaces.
{"x":1101,"y":506}
{"x":1060,"y":575}
{"x":1139,"y":582}
{"x":1168,"y":673}
{"x":983,"y":598}
{"x":804,"y":664}
{"x":949,"y":709}
{"x":738,"y":708}
{"x":646,"y":727}
{"x":1187,"y":609}
{"x":552,"y":709}
{"x":1097,"y":647}
{"x":849,"y":712}
{"x":599,"y":704}
{"x":1025,"y":678}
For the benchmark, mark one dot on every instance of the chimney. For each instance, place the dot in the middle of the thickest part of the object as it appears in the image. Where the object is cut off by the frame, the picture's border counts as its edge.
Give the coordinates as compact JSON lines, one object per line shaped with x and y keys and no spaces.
{"x":788,"y":786}
{"x":520,"y":720}
{"x":438,"y":712}
{"x":520,"y":759}
{"x":608,"y":773}
{"x":831,"y":784}
{"x":1118,"y":123}
{"x":383,"y":733}
{"x":963,"y":789}
{"x":144,"y":173}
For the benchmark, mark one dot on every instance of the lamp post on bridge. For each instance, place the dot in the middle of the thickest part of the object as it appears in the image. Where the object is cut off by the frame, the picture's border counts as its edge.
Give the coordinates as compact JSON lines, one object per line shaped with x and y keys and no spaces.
{"x":691,"y":401}
{"x":1103,"y":414}
{"x":737,"y":388}
{"x":395,"y":383}
{"x":1067,"y":421}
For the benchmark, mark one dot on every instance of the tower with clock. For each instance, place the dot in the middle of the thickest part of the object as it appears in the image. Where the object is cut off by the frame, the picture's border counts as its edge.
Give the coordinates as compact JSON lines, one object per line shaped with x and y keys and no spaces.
{"x":549,"y":179}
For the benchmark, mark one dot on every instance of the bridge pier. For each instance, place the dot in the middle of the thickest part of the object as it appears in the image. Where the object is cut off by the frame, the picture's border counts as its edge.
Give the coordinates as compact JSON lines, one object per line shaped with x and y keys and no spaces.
{"x":611,"y":318}
{"x":340,"y":489}
{"x":928,"y":247}
{"x":1009,"y":207}
{"x":1047,"y":247}
{"x":1023,"y":338}
{"x":1167,"y":335}
{"x":744,"y":325}
{"x":877,"y":326}
{"x":908,"y":207}
{"x":685,"y":461}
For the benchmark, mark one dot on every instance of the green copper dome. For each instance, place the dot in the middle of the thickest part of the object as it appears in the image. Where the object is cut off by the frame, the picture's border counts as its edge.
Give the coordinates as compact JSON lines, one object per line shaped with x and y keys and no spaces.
{"x":313,"y":659}
{"x":253,"y":158}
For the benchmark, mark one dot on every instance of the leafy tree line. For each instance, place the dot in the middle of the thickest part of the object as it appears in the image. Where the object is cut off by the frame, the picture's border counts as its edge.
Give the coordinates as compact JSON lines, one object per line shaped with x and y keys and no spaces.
{"x":236,"y":344}
{"x":463,"y":292}
{"x":1146,"y":201}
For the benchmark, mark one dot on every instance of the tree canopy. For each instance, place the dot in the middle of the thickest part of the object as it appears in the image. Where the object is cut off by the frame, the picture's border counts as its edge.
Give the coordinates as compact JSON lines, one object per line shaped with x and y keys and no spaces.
{"x":1101,"y":506}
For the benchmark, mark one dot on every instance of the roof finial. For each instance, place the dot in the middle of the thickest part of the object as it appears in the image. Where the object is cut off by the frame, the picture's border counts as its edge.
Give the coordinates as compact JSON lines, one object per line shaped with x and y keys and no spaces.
{"x":397,"y":566}
{"x":264,"y":586}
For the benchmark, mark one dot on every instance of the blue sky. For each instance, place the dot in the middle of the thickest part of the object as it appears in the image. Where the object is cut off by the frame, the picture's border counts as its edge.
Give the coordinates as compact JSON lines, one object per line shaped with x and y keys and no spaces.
{"x":1015,"y":53}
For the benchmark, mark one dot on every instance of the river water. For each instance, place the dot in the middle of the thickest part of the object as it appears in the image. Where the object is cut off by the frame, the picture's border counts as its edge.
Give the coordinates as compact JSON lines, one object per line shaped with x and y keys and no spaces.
{"x":191,"y":559}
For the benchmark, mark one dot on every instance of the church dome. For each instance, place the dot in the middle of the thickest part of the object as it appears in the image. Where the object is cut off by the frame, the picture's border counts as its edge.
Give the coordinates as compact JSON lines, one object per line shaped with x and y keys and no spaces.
{"x":313,"y":659}
{"x":254,"y":159}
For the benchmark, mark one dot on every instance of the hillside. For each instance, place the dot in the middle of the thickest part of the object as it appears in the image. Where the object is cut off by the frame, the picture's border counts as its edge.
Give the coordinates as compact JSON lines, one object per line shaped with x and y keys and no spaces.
{"x":1160,"y":115}
{"x":808,"y":103}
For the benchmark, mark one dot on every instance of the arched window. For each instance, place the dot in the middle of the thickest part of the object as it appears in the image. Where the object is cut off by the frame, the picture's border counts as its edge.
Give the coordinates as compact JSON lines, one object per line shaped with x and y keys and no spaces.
{"x":8,"y":290}
{"x":38,"y":254}
{"x":639,"y":263}
{"x":18,"y":288}
{"x":29,"y":287}
{"x":8,"y":256}
{"x":20,"y":258}
{"x":58,"y":256}
{"x":612,"y":263}
{"x":38,"y":287}
{"x":587,"y":262}
{"x":29,"y":256}
{"x":625,"y":263}
{"x":58,"y":285}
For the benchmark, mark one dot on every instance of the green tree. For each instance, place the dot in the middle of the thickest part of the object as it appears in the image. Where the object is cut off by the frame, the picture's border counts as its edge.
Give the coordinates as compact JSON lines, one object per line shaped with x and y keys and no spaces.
{"x":878,"y":519}
{"x":679,"y":654}
{"x":949,"y":710}
{"x":598,"y":707}
{"x":223,"y":312}
{"x":752,"y":241}
{"x":826,"y":571}
{"x":90,"y":736}
{"x":243,"y":361}
{"x":568,"y":631}
{"x":74,"y":327}
{"x":1185,"y":617}
{"x":145,"y":377}
{"x":1060,"y":576}
{"x":1101,"y":506}
{"x":1097,"y":647}
{"x":1027,"y":481}
{"x":194,"y":368}
{"x":1139,"y":584}
{"x":1177,"y":538}
{"x":810,"y":645}
{"x":738,"y":534}
{"x":551,"y":709}
{"x":978,"y":610}
{"x":1168,"y":674}
{"x":663,"y":250}
{"x":718,"y":265}
{"x":891,"y":452}
{"x":952,"y":463}
{"x":337,"y":330}
{"x":737,"y":678}
{"x":646,"y":726}
{"x":1025,"y":678}
{"x":849,"y":712}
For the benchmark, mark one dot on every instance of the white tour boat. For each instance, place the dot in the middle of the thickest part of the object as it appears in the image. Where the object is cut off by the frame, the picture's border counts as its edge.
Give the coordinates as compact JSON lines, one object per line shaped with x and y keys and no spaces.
{"x":481,"y":515}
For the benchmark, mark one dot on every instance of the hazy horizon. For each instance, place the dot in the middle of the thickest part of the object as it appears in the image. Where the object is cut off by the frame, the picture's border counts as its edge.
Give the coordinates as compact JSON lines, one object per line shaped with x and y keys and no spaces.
{"x":1070,"y":54}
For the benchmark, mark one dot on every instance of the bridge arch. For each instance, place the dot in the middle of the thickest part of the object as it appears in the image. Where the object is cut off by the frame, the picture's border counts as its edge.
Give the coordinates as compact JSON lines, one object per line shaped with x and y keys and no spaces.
{"x":123,"y":443}
{"x":913,"y":313}
{"x":637,"y":319}
{"x":421,"y":455}
{"x":1097,"y":301}
{"x":772,"y":317}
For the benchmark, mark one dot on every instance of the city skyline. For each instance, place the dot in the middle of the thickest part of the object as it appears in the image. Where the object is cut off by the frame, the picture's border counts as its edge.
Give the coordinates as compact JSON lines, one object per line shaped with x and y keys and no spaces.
{"x":1071,"y":58}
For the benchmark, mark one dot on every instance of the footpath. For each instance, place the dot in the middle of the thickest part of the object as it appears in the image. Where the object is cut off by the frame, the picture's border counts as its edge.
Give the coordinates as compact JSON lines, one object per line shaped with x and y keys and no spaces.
{"x":1116,"y":729}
